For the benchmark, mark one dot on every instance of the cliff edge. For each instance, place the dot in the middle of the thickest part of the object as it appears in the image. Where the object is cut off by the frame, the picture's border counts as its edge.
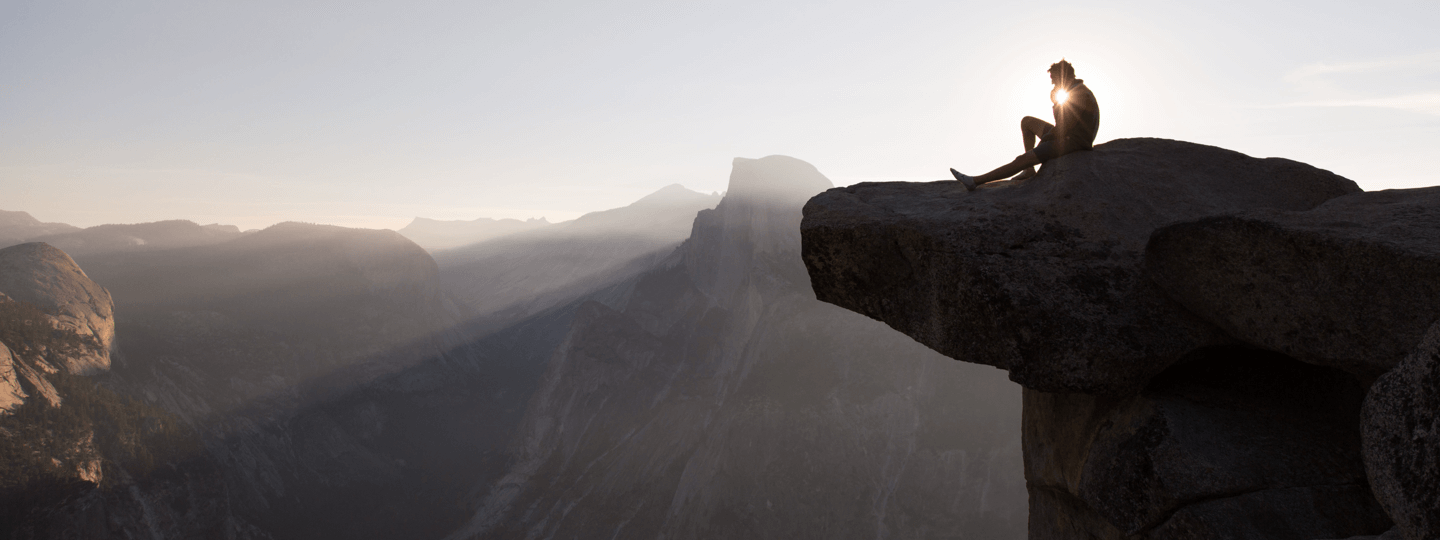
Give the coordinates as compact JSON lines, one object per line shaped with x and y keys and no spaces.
{"x":1196,"y":331}
{"x":1042,"y":277}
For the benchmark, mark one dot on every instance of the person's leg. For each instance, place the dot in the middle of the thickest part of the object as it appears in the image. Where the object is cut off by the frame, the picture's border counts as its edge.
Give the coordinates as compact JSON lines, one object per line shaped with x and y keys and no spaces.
{"x":1025,"y":161}
{"x":1031,"y":128}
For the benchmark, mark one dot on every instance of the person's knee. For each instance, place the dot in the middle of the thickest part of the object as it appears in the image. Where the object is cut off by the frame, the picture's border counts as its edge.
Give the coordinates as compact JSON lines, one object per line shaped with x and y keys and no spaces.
{"x":1031,"y":124}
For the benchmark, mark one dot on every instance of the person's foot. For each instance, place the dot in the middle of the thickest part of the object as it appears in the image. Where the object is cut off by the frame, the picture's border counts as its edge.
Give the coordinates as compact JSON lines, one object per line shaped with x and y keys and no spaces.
{"x":1027,"y":173}
{"x":968,"y":181}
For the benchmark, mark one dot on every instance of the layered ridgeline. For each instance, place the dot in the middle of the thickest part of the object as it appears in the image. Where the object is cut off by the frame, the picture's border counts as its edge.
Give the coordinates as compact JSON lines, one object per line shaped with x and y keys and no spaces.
{"x":1199,"y":334}
{"x":436,"y":235}
{"x":713,"y":397}
{"x":17,"y":227}
{"x":508,"y":278}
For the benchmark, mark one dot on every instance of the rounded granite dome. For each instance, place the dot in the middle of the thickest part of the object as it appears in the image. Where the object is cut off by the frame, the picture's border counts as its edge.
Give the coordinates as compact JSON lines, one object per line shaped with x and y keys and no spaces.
{"x":47,"y":277}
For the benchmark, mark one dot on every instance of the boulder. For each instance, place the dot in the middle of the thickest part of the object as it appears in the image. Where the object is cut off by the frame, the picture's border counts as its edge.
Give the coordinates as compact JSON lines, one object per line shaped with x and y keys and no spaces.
{"x":1043,"y":277}
{"x":1229,"y":443}
{"x":1401,"y":434}
{"x":1353,"y":283}
{"x":49,"y":279}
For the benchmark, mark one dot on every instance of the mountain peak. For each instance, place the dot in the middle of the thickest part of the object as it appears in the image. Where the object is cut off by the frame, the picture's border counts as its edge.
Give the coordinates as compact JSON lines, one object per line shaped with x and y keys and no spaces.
{"x":781,"y":177}
{"x":18,"y":226}
{"x":671,"y":195}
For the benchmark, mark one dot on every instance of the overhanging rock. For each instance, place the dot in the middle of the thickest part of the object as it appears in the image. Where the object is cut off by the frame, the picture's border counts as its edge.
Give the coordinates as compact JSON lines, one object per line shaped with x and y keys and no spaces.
{"x":1043,"y":277}
{"x":1352,"y":284}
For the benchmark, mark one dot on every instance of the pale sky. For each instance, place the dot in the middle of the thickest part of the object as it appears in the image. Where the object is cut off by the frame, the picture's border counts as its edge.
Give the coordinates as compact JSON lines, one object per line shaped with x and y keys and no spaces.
{"x":368,"y":114}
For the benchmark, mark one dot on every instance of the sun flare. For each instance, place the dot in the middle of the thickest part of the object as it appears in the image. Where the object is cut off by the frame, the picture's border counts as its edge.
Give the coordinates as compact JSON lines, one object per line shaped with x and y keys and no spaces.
{"x":1060,"y":96}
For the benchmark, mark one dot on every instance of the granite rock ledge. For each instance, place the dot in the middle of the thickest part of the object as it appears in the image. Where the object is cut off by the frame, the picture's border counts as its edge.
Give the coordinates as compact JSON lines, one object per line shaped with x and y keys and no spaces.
{"x":1043,"y":277}
{"x":1196,"y":331}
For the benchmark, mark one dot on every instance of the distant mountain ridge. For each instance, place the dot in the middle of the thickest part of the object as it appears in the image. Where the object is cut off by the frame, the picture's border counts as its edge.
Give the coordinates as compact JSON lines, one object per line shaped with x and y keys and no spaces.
{"x":514,"y":276}
{"x":434,"y":234}
{"x":16,"y":227}
{"x":19,"y":227}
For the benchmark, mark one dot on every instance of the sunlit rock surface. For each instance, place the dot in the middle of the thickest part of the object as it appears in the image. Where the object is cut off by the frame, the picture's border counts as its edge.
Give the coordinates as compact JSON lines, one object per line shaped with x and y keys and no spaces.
{"x":49,"y":279}
{"x":1042,"y":277}
{"x":12,"y":394}
{"x":1353,"y":283}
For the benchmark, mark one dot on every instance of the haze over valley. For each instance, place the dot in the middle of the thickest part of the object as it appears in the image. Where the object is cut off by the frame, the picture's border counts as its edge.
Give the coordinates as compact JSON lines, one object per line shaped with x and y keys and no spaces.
{"x":345,"y":383}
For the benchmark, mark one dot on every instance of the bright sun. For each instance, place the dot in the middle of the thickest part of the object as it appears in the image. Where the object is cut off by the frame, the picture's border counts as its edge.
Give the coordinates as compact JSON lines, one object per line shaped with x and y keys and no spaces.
{"x":1060,"y":96}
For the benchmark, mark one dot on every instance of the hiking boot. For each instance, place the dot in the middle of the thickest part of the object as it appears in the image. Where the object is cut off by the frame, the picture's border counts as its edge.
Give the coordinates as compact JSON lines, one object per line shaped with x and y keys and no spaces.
{"x":968,"y":181}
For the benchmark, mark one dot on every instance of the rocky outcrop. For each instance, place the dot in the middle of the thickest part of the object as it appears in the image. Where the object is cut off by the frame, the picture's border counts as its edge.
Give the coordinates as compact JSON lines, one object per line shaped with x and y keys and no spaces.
{"x":1043,"y":277}
{"x":50,"y":280}
{"x":1195,"y":330}
{"x":1353,"y":283}
{"x":1402,"y":440}
{"x":1216,"y":447}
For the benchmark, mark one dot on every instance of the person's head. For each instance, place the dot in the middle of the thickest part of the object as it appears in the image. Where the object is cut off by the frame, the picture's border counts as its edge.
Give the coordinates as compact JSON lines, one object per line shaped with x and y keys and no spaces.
{"x":1062,"y":73}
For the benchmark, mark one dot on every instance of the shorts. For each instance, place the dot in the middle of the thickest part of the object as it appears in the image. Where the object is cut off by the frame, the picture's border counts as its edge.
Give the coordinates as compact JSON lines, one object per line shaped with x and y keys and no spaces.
{"x":1049,"y":149}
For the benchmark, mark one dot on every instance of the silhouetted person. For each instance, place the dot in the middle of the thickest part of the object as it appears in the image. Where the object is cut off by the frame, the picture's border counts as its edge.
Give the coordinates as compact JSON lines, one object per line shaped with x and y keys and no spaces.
{"x":1077,"y":117}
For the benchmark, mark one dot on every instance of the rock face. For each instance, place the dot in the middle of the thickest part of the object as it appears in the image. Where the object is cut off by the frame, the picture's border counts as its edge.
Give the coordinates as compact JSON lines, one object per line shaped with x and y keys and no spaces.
{"x":1194,"y":328}
{"x":1353,"y":283}
{"x":48,"y":278}
{"x":713,"y":397}
{"x":1043,"y":277}
{"x":1402,"y":440}
{"x":1216,"y":447}
{"x":12,"y":394}
{"x":75,"y":455}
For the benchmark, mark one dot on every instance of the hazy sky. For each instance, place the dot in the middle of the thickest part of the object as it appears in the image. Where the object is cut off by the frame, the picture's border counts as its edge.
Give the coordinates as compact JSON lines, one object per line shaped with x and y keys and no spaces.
{"x":371,"y":113}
